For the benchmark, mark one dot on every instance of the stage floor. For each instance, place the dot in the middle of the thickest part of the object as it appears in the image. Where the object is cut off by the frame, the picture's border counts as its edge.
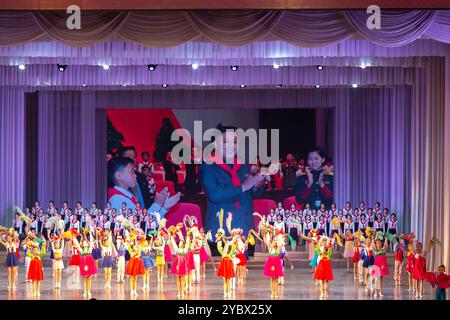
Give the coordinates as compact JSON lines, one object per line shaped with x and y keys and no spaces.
{"x":298,"y":286}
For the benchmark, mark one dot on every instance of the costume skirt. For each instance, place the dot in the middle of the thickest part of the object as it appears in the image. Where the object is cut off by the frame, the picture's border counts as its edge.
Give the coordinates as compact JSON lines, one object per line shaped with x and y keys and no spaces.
{"x":323,"y":271}
{"x":226,"y":269}
{"x":75,"y":260}
{"x":135,"y":267}
{"x":87,"y":266}
{"x":179,"y":265}
{"x":203,"y":255}
{"x":242,"y":259}
{"x":12,"y":260}
{"x":107,"y":262}
{"x":273,"y":267}
{"x":381,"y":262}
{"x":35,"y":272}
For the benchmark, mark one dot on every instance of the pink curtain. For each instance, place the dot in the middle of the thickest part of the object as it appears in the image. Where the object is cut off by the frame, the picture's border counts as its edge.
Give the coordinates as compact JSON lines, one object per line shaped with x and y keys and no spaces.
{"x":232,"y":28}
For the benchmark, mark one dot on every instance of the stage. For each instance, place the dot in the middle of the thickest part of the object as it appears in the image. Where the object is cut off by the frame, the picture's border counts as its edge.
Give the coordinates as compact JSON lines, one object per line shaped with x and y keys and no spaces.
{"x":298,"y":286}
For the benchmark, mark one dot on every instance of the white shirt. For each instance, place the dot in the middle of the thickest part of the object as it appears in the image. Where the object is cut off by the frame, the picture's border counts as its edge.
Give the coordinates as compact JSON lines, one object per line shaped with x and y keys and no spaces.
{"x":279,"y":225}
{"x":117,"y":199}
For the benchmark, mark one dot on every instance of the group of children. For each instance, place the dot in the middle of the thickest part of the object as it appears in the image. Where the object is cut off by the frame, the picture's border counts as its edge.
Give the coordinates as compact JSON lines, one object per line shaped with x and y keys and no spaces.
{"x":292,"y":220}
{"x":41,"y":220}
{"x":131,"y":250}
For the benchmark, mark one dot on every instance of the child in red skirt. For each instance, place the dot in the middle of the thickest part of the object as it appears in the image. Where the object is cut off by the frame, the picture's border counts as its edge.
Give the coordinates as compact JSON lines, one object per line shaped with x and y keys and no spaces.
{"x":226,"y":269}
{"x":355,"y":259}
{"x":323,"y":271}
{"x":135,"y":266}
{"x":87,"y":263}
{"x":36,"y":271}
{"x":381,"y":267}
{"x":180,"y":266}
{"x":420,"y":266}
{"x":273,"y":267}
{"x":241,"y":247}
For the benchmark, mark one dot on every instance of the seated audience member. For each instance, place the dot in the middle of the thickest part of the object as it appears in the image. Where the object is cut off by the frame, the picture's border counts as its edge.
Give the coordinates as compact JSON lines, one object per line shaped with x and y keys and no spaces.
{"x":122,"y":176}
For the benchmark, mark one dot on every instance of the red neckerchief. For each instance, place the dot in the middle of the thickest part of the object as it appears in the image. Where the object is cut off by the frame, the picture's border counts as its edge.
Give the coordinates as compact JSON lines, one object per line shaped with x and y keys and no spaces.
{"x":232,"y":171}
{"x":114,"y":191}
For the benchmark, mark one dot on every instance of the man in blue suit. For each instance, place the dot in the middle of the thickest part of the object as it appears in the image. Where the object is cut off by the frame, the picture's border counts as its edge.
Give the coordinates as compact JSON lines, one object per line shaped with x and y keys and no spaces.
{"x":230,"y":187}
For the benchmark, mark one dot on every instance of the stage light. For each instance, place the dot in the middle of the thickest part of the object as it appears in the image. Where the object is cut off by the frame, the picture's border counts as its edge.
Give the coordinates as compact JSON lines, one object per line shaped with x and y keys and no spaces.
{"x":276,"y":66}
{"x":279,"y":85}
{"x":317,"y":86}
{"x":234,"y":68}
{"x":319,"y":67}
{"x":363,"y":66}
{"x":152,"y":67}
{"x":195,"y":66}
{"x":355,"y":85}
{"x":62,"y":67}
{"x":165,"y":85}
{"x":124,"y":84}
{"x":84,"y":85}
{"x":105,"y":66}
{"x":242,"y":85}
{"x":21,"y":67}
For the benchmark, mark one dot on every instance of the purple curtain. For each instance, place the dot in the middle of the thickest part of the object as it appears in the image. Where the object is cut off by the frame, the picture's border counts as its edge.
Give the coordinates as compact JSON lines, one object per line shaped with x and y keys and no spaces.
{"x":12,"y":153}
{"x":232,"y":28}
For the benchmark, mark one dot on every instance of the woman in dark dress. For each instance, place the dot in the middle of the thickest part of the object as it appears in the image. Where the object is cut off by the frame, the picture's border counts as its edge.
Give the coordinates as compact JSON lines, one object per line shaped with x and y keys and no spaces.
{"x":315,"y":184}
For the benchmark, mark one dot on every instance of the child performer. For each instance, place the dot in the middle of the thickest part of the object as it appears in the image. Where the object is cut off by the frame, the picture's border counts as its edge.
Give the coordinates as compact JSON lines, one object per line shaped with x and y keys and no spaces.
{"x":241,"y":247}
{"x":225,"y":269}
{"x":381,"y":263}
{"x":148,"y":262}
{"x":74,"y":262}
{"x":349,"y":245}
{"x":26,"y":247}
{"x":355,"y":259}
{"x":58,"y":264}
{"x":12,"y":261}
{"x":273,"y":267}
{"x":442,"y":281}
{"x":312,"y":239}
{"x":36,"y":272}
{"x":399,"y":257}
{"x":159,"y":245}
{"x":368,"y":256}
{"x":179,"y":266}
{"x":323,"y":272}
{"x":87,"y":263}
{"x":420,"y":265}
{"x":121,"y":249}
{"x":107,"y":251}
{"x":135,"y":266}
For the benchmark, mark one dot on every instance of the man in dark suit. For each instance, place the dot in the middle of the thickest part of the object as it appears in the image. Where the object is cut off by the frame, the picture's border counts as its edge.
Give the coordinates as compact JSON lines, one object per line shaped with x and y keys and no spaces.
{"x":230,"y":187}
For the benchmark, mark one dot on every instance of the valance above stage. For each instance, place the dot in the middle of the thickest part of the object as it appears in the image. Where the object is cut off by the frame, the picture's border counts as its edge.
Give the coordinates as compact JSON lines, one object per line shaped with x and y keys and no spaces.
{"x":228,"y":27}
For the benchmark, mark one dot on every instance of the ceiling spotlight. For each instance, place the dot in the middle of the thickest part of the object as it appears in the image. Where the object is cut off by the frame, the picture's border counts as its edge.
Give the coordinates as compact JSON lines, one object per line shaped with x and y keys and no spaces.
{"x":105,"y":66}
{"x":62,"y":67}
{"x":195,"y":66}
{"x":276,"y":66}
{"x":355,"y":85}
{"x":84,"y":85}
{"x":319,"y":67}
{"x":279,"y":85}
{"x":21,"y":67}
{"x":234,"y":68}
{"x":317,"y":86}
{"x":165,"y":85}
{"x":242,"y":85}
{"x":363,"y":66}
{"x":152,"y":67}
